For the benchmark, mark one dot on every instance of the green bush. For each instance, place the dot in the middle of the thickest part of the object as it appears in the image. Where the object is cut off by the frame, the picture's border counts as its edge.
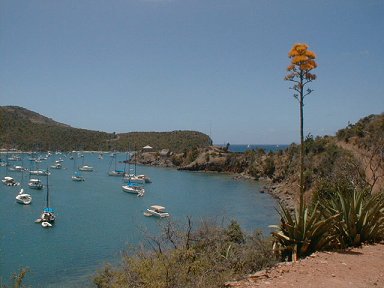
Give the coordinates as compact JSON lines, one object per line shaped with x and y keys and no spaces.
{"x":361,"y":216}
{"x":269,"y":167}
{"x":303,"y":232}
{"x":206,"y":257}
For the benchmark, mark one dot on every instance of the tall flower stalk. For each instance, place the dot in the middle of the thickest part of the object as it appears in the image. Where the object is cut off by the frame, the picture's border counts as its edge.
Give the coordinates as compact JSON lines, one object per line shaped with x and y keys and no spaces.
{"x":299,"y":72}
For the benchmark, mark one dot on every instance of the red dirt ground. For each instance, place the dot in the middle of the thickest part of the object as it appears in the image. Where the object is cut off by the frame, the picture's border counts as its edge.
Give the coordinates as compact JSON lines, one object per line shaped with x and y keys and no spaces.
{"x":359,"y":267}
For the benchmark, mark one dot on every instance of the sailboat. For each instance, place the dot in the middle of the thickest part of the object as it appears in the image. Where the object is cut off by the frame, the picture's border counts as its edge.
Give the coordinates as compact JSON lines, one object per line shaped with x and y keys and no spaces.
{"x":23,"y":198}
{"x":133,"y":177}
{"x":34,"y":183}
{"x":76,"y":174}
{"x":132,"y":186}
{"x":114,"y":172}
{"x":85,"y":167}
{"x":47,"y":217}
{"x":8,"y":180}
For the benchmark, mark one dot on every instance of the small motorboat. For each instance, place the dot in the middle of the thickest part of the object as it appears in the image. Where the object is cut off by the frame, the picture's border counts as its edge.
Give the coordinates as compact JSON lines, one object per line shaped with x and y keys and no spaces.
{"x":23,"y":198}
{"x":156,"y":210}
{"x":145,"y":178}
{"x":133,"y":179}
{"x":116,"y":173}
{"x":46,"y":224}
{"x":57,"y":165}
{"x":9,"y":181}
{"x":39,"y":172}
{"x":17,"y":168}
{"x":77,"y":177}
{"x":35,"y":184}
{"x":86,"y":168}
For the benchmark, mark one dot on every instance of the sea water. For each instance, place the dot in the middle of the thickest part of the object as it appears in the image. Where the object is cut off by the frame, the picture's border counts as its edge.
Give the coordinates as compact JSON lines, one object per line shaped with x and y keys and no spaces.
{"x":247,"y":147}
{"x":97,"y":221}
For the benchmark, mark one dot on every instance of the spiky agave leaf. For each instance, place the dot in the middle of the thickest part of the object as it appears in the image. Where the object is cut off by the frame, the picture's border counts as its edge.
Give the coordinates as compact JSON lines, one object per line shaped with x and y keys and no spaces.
{"x":304,"y":232}
{"x":362,"y":217}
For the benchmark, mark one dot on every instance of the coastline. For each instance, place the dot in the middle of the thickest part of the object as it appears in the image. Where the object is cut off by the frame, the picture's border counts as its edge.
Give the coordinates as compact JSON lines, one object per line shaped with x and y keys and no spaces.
{"x":214,"y":159}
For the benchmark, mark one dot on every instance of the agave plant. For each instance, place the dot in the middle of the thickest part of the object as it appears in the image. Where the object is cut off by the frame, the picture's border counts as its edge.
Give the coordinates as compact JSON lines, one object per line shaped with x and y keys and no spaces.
{"x":362,"y":217}
{"x":303,"y":233}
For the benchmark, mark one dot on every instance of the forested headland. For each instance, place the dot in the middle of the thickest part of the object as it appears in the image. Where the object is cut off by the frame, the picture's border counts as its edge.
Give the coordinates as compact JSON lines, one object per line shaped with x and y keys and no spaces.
{"x":26,"y":130}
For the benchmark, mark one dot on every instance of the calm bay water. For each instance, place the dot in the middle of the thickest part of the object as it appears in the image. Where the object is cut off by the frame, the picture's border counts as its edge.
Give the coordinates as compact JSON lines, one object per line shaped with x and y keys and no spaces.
{"x":96,"y":220}
{"x":266,"y":148}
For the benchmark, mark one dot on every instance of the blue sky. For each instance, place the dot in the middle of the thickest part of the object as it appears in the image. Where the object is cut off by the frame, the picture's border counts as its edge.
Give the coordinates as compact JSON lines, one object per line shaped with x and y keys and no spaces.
{"x":215,"y":66}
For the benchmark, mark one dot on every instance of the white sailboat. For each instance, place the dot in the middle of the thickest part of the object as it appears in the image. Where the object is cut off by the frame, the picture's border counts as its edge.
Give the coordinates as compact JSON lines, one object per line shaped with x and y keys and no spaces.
{"x":85,"y":168}
{"x":34,"y":183}
{"x":76,"y":176}
{"x":47,"y":218}
{"x":134,"y":188}
{"x":23,"y":198}
{"x":115,"y":172}
{"x":131,"y":177}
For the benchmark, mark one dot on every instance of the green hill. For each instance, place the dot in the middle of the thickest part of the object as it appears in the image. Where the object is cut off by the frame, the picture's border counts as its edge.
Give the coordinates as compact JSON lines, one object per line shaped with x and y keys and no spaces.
{"x":27,"y":130}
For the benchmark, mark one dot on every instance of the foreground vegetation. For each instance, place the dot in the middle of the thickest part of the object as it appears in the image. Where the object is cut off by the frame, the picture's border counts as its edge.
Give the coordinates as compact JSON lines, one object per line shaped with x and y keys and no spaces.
{"x":16,"y":279}
{"x":188,"y":257}
{"x":343,"y":218}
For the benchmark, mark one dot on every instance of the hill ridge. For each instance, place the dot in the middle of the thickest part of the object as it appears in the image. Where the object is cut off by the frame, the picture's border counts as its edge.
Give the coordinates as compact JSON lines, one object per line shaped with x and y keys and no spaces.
{"x":28,"y":130}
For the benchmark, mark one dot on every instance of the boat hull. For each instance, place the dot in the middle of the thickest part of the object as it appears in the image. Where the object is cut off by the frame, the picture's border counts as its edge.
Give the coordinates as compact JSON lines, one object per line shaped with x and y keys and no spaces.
{"x":24,"y":199}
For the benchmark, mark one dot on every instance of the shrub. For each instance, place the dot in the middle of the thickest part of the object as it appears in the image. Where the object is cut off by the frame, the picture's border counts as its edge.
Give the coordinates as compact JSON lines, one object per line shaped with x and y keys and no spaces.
{"x":269,"y":166}
{"x":361,"y":216}
{"x":302,"y":233}
{"x":206,"y":257}
{"x":17,"y":279}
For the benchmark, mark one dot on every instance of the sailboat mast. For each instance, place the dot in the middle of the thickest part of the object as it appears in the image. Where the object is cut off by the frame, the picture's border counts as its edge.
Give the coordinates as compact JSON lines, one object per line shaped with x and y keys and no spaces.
{"x":47,"y":190}
{"x":135,"y":160}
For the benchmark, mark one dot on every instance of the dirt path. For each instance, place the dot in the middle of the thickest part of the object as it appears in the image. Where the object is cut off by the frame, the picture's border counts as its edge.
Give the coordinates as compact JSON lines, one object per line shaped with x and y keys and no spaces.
{"x":359,"y":267}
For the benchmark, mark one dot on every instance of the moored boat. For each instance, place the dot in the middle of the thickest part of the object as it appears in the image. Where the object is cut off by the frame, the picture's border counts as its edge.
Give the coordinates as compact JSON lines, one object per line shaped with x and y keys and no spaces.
{"x":145,"y":178}
{"x":116,"y":173}
{"x":134,"y":189}
{"x":39,"y":172}
{"x":156,"y":210}
{"x":131,"y":178}
{"x":57,"y":165}
{"x":16,"y":168}
{"x":23,"y":198}
{"x":9,"y":181}
{"x":47,"y":218}
{"x":86,"y":168}
{"x":35,"y":184}
{"x":77,"y":177}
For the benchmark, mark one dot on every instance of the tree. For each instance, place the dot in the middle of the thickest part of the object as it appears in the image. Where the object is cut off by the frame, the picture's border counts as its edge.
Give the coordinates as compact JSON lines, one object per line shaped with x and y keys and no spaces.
{"x":299,"y":72}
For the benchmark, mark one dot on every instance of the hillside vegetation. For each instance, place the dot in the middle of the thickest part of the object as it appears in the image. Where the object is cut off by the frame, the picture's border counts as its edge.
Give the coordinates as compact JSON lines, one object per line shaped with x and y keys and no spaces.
{"x":173,"y":141}
{"x":355,"y":155}
{"x":26,"y":130}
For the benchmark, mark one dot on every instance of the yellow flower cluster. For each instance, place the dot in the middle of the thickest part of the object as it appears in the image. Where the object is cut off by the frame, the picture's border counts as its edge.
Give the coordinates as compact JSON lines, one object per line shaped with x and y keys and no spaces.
{"x":302,"y":58}
{"x":299,"y":59}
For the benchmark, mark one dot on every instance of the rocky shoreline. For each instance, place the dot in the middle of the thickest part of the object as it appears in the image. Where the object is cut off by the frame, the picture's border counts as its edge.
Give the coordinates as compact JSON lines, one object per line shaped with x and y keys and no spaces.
{"x":217,"y":159}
